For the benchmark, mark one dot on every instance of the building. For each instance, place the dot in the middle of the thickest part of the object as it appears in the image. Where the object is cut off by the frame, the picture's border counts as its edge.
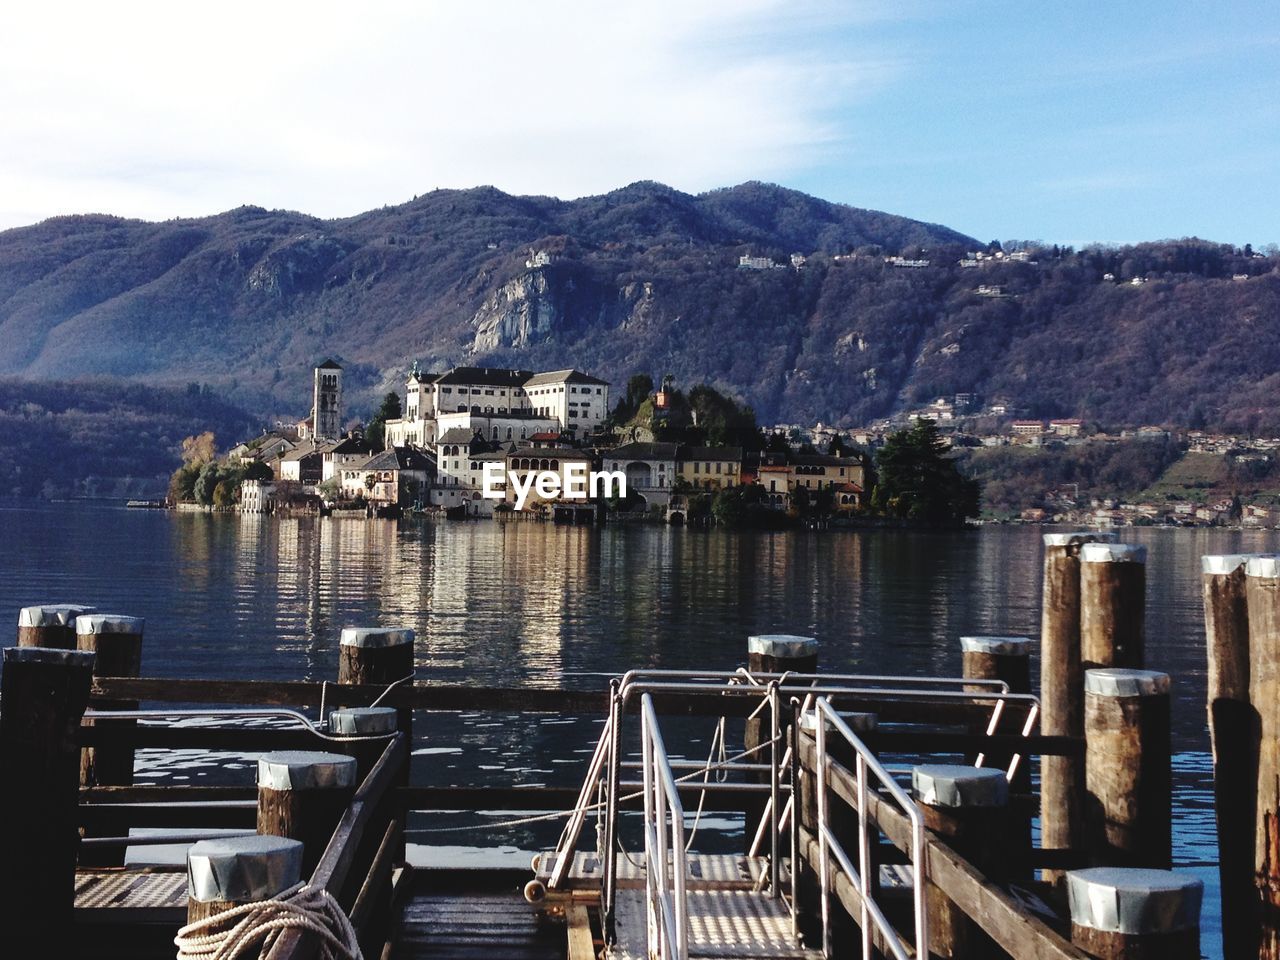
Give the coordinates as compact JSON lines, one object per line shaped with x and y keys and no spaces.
{"x":746,"y":262}
{"x":335,"y":456}
{"x":578,"y":401}
{"x":398,"y":477}
{"x":1027,"y":428}
{"x":326,"y":402}
{"x":498,"y":427}
{"x":820,"y":472}
{"x":776,"y":480}
{"x":1066,"y":428}
{"x":304,"y":465}
{"x":505,"y":404}
{"x":525,"y":460}
{"x":709,"y":468}
{"x":257,"y":496}
{"x":650,"y":469}
{"x":417,"y":428}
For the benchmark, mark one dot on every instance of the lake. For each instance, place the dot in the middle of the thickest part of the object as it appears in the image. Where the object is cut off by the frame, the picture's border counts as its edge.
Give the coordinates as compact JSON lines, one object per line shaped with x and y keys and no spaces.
{"x":533,"y":604}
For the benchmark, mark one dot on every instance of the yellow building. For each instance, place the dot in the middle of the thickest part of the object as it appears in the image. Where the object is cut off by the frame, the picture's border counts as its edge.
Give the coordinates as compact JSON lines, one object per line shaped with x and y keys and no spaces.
{"x":709,"y":468}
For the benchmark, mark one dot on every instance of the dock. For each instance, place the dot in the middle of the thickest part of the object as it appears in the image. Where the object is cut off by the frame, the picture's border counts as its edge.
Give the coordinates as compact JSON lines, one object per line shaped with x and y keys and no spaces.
{"x":882,"y":816}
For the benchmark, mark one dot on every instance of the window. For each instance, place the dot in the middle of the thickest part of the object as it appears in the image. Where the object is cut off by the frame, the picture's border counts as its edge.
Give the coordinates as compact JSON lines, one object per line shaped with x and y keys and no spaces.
{"x":446,"y":390}
{"x":718,"y":467}
{"x":695,"y":466}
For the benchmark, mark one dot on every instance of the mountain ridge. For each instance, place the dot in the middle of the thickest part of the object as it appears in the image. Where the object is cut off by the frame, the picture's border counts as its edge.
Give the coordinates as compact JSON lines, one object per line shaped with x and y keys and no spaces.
{"x":643,"y":278}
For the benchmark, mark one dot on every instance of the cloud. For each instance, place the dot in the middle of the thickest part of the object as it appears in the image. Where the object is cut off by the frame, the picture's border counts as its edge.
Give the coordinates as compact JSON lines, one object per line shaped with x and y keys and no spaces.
{"x":158,"y":110}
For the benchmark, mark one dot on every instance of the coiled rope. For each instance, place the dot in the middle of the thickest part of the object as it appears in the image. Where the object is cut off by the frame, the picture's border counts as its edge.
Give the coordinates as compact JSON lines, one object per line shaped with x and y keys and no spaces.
{"x":260,"y":924}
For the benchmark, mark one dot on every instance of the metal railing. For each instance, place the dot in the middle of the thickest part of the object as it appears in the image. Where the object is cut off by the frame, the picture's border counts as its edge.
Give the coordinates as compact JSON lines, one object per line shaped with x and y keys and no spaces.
{"x":829,"y":847}
{"x":603,"y":789}
{"x":666,"y":863}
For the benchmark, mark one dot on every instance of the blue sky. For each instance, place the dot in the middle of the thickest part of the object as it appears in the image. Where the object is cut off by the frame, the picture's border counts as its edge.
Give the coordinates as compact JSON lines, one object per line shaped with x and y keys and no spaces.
{"x":1069,"y":123}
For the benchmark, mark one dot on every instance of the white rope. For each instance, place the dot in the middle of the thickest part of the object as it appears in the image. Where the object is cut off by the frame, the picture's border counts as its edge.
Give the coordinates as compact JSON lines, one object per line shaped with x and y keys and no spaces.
{"x":229,"y":935}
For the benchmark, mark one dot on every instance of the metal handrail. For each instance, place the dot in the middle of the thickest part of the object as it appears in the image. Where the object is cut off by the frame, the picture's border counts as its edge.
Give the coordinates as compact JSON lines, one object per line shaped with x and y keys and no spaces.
{"x":828,"y":846}
{"x":607,"y":763}
{"x":668,"y":924}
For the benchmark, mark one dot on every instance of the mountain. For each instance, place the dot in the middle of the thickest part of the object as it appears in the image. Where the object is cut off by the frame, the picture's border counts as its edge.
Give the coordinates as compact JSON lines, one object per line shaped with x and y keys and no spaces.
{"x":102,"y":438}
{"x":646,"y":278}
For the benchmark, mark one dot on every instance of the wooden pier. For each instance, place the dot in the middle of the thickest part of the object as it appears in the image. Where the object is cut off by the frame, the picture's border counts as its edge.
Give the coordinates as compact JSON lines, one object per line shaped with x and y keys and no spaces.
{"x":900,"y":833}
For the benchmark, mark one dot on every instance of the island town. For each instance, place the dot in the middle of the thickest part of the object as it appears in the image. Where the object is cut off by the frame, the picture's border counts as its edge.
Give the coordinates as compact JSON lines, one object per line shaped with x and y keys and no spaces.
{"x":469,"y":443}
{"x":457,"y":431}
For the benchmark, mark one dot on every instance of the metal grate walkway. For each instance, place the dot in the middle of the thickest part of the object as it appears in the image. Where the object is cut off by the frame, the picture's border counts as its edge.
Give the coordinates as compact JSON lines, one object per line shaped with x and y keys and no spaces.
{"x":723,"y":924}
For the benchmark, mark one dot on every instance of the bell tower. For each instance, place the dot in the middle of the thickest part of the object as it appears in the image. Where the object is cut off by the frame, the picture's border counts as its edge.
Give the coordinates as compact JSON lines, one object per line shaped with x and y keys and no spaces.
{"x":326,"y":403}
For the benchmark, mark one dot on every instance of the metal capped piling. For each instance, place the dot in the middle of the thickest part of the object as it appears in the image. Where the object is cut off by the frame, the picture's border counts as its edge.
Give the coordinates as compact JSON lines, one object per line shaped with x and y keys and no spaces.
{"x":223,"y":874}
{"x":1128,"y":760}
{"x":1061,"y":697}
{"x":302,"y":795}
{"x":1262,"y":597}
{"x":50,"y":624}
{"x":1113,"y":587}
{"x":968,"y":807}
{"x":1122,"y":913}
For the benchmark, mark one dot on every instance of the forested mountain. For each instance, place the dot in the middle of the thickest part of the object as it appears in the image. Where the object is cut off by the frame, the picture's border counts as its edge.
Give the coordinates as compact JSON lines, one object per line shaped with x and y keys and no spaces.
{"x":102,"y":438}
{"x":646,"y":278}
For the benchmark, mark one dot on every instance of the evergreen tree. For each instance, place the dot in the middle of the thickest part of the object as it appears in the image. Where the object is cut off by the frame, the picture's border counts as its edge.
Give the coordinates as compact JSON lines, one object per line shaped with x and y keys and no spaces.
{"x":376,"y":432}
{"x":917,"y":481}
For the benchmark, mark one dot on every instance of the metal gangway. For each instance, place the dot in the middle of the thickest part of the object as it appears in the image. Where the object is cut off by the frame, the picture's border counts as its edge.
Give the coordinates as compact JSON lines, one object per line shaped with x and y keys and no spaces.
{"x":673,"y":903}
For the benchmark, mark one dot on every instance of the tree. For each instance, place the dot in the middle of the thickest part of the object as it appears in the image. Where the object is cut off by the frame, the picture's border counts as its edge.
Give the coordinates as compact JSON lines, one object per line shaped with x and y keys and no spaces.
{"x":199,"y":449}
{"x":639,"y":387}
{"x":258,"y":471}
{"x":390,"y":409}
{"x":917,"y":481}
{"x":182,"y":483}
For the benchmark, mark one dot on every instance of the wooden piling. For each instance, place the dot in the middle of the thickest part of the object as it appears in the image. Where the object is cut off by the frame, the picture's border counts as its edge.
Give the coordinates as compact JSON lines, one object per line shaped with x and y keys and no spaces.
{"x":223,"y":874}
{"x":998,"y":658}
{"x":50,"y":625}
{"x":1128,"y":775}
{"x":1062,"y":689}
{"x":1007,"y":659}
{"x":1113,"y":590}
{"x":771,"y":653}
{"x":375,"y":655}
{"x":43,"y":695}
{"x":968,"y":808}
{"x":1262,"y":593}
{"x":302,"y":795}
{"x":1233,"y":738}
{"x":1122,"y":913}
{"x":378,"y":655}
{"x":357,"y":725}
{"x":117,"y":643}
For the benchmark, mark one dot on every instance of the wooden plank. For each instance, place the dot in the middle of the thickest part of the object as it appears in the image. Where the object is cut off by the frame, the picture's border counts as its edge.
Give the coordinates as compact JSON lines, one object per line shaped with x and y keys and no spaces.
{"x":164,"y":793}
{"x":331,"y":872}
{"x":378,"y":878}
{"x":846,"y":892}
{"x":120,"y":817}
{"x":1018,"y":932}
{"x":459,"y":697}
{"x":237,"y":739}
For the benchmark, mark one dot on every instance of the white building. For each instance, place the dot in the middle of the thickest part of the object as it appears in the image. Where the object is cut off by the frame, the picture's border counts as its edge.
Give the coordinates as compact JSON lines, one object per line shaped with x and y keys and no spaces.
{"x":508,"y":401}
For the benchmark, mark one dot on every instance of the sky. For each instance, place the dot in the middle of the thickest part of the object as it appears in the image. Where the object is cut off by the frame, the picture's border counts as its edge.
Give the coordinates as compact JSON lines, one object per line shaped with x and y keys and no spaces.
{"x":1070,"y":123}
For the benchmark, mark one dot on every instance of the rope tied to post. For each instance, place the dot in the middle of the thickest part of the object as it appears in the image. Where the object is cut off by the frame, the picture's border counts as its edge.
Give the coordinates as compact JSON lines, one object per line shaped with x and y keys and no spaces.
{"x":233,"y":933}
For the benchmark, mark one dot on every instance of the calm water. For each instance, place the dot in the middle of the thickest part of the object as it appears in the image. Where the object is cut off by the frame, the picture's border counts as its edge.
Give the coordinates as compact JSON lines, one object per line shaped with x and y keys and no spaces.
{"x":533,"y":604}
